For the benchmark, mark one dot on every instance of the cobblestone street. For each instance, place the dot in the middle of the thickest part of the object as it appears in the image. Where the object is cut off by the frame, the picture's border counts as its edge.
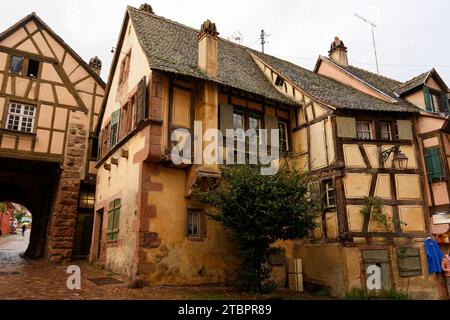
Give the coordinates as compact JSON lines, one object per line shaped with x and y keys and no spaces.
{"x":22,"y":278}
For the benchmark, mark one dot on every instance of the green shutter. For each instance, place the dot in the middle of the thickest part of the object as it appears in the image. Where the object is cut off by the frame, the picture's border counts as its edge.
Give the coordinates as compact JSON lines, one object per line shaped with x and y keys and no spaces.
{"x":141,"y":102}
{"x":433,"y":163}
{"x":444,"y":98}
{"x":426,"y":94}
{"x":114,"y":130}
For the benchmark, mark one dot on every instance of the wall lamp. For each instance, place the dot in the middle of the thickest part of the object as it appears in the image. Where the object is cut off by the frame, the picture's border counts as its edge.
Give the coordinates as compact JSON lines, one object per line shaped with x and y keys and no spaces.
{"x":113,"y":50}
{"x":399,"y":161}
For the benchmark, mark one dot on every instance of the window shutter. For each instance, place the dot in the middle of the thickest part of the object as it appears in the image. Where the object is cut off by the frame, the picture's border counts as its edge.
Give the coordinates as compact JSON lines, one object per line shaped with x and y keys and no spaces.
{"x":271,"y":123}
{"x":114,"y":130}
{"x":433,"y":163}
{"x":346,"y":127}
{"x":426,"y":93}
{"x":141,"y":102}
{"x":444,"y":98}
{"x":404,"y":128}
{"x":226,"y":118}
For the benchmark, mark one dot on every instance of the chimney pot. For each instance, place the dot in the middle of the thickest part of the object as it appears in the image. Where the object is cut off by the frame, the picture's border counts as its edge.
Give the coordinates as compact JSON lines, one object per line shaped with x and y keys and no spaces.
{"x":338,"y":52}
{"x":96,"y":65}
{"x":146,"y":7}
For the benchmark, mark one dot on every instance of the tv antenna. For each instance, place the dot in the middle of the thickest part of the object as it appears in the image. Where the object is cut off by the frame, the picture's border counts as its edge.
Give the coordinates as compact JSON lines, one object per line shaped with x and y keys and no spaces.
{"x":264,"y":36}
{"x":237,"y":37}
{"x":373,"y":26}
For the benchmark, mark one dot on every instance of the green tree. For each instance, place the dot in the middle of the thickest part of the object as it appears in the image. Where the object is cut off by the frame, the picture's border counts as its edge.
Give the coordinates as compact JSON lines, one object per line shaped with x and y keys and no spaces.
{"x":259,"y":210}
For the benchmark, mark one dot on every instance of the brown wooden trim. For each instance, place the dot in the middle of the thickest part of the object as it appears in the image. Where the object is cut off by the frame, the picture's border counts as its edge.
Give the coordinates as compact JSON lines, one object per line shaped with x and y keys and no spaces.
{"x":47,"y":42}
{"x":26,"y":54}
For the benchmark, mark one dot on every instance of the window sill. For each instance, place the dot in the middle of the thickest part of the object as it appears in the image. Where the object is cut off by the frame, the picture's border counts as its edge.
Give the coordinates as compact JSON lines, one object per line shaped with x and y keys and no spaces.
{"x":18,"y":133}
{"x":195,"y":239}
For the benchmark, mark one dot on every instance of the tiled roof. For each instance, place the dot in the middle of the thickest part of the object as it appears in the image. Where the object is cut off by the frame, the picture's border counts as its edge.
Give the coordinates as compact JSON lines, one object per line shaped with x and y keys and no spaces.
{"x":173,"y":47}
{"x":331,"y":91}
{"x":413,"y":83}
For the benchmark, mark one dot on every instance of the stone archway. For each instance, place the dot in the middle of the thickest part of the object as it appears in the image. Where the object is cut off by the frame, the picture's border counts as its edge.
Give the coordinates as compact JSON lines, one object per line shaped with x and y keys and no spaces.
{"x":32,"y":184}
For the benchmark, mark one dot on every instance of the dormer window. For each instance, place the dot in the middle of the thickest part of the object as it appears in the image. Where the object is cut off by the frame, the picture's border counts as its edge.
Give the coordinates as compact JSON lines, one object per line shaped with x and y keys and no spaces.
{"x":435,"y":101}
{"x":279,"y":81}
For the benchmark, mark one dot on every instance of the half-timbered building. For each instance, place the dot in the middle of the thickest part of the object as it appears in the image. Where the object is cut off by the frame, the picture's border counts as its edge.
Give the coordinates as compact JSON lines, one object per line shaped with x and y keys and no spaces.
{"x":50,"y":102}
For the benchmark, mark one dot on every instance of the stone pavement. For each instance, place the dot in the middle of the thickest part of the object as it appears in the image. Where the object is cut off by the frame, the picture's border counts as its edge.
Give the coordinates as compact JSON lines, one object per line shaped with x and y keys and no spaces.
{"x":26,"y":279}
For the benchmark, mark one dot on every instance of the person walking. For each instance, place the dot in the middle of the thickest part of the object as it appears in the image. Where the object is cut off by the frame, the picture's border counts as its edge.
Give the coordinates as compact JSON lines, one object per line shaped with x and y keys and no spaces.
{"x":445,"y":264}
{"x":24,"y":228}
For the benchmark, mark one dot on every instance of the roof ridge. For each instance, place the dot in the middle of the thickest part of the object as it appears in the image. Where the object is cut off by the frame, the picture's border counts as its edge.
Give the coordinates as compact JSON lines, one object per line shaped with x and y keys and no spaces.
{"x":375,"y":74}
{"x":415,"y":78}
{"x":186,"y":26}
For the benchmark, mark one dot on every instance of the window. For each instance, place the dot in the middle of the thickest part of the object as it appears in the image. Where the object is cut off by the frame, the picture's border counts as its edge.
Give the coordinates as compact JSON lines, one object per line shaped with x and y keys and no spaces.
{"x":433,"y":163}
{"x":33,"y":68}
{"x":435,"y":101}
{"x":193,"y":223}
{"x":16,"y":65}
{"x":284,"y":143}
{"x":21,"y":117}
{"x":255,"y":124}
{"x":385,"y":131}
{"x":87,"y":198}
{"x":114,"y":130}
{"x":124,"y":68}
{"x":112,"y":233}
{"x":279,"y":81}
{"x":330,"y":198}
{"x":94,"y":148}
{"x":364,"y":130}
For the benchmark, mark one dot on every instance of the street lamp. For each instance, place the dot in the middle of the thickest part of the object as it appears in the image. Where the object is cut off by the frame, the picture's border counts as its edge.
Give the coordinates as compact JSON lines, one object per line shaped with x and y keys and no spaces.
{"x":399,"y":160}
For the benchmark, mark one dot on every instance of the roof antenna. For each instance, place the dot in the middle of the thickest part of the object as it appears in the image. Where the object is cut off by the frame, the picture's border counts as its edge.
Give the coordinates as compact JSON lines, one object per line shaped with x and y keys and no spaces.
{"x":373,"y":25}
{"x":263,"y":37}
{"x":237,"y":37}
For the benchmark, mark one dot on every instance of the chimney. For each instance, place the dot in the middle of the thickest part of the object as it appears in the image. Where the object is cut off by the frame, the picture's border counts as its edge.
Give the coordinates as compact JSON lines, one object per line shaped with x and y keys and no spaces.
{"x":207,"y":48}
{"x":146,"y":7}
{"x":338,"y":52}
{"x":96,"y":65}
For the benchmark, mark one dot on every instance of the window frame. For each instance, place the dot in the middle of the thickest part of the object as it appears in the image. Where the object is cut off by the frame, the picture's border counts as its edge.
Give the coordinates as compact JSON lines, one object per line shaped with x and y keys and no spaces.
{"x":21,"y":116}
{"x":329,"y":187}
{"x":370,"y":130}
{"x":38,"y":67}
{"x":390,"y":131}
{"x":112,"y":232}
{"x":22,"y":63}
{"x":189,"y":222}
{"x":286,"y":131}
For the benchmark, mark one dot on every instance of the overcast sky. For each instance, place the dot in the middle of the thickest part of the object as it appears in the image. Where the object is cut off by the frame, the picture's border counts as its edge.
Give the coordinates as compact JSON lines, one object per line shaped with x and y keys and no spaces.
{"x":411,"y":35}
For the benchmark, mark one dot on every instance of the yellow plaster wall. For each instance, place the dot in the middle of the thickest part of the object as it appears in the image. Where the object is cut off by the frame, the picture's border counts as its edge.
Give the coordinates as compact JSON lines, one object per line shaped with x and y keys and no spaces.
{"x":330,"y":265}
{"x":122,"y":182}
{"x":375,"y":226}
{"x":353,"y":157}
{"x":331,"y":223}
{"x":355,"y":218}
{"x":373,"y":155}
{"x":181,"y":115}
{"x":330,"y":141}
{"x":179,"y":261}
{"x":357,"y":185}
{"x":411,"y":218}
{"x":383,"y":186}
{"x":408,"y":186}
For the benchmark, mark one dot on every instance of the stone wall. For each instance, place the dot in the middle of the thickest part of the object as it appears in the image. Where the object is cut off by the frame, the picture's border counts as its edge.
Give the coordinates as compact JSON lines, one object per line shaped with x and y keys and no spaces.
{"x":62,"y":223}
